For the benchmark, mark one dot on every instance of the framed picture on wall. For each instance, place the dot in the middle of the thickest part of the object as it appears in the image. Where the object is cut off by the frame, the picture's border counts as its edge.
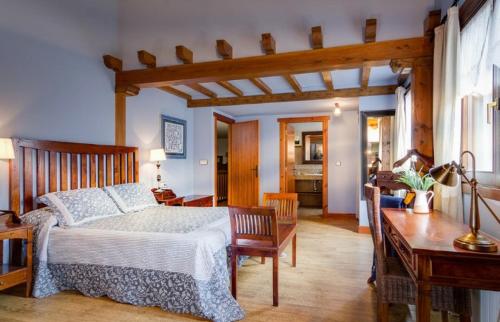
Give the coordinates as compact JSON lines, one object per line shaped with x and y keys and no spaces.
{"x":173,"y":137}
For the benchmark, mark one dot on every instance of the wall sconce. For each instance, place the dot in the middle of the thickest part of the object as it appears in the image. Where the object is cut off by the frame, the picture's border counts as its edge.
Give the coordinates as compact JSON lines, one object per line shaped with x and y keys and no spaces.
{"x":157,"y":155}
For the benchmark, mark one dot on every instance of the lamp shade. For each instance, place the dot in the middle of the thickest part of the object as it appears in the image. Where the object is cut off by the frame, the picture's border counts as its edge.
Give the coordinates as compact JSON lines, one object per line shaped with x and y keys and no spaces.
{"x":157,"y":155}
{"x":445,"y":174}
{"x":6,"y":149}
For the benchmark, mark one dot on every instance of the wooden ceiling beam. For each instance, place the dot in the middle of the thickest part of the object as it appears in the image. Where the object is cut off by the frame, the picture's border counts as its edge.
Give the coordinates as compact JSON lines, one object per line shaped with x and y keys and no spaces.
{"x":261,"y":85}
{"x":432,"y":20}
{"x":269,"y":47}
{"x":129,"y":90}
{"x":287,"y":97}
{"x":113,"y":63}
{"x":370,"y":30}
{"x":202,"y":89}
{"x":317,"y":43}
{"x":308,"y":61}
{"x":402,"y":67}
{"x":268,"y":44}
{"x":147,"y":59}
{"x":230,"y":87}
{"x":176,"y":92}
{"x":293,"y":83}
{"x":184,"y":54}
{"x":370,"y":35}
{"x":365,"y":75}
{"x":316,"y":37}
{"x":327,"y":80}
{"x":224,"y":49}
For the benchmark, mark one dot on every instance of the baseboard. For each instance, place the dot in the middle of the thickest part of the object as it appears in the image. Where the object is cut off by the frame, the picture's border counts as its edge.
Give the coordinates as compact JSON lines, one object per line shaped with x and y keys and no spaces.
{"x":341,"y":215}
{"x":364,"y":230}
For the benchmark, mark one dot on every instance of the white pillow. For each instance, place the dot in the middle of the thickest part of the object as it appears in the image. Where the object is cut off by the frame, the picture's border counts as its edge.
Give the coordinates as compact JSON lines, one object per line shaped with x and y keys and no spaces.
{"x":77,"y":206}
{"x":132,"y":197}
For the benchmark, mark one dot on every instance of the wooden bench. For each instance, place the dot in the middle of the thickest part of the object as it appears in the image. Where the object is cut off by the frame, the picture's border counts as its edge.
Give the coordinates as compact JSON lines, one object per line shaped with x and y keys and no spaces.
{"x":255,"y":232}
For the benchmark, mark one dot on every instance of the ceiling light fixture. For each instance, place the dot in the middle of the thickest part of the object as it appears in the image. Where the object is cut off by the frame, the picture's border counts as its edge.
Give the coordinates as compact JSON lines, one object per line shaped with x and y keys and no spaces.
{"x":337,"y":111}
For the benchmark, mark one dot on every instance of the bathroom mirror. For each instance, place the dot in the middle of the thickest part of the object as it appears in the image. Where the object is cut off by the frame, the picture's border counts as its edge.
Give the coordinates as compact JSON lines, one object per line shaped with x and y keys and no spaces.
{"x":313,"y":147}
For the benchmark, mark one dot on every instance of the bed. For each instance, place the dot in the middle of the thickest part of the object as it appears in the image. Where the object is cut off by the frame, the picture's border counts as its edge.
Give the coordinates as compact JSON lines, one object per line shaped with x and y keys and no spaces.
{"x":171,"y":257}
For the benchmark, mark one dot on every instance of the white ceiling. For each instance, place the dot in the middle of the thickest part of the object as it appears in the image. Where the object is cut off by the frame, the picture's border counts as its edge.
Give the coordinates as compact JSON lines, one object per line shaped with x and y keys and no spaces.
{"x":307,"y":107}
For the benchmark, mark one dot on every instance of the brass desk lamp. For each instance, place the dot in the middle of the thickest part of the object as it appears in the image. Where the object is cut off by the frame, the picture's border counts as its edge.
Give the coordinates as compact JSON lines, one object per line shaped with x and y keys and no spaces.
{"x":447,"y":174}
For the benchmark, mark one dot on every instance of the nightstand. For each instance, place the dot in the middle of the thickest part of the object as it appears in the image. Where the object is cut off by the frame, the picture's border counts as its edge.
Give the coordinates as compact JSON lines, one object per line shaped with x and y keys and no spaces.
{"x":14,"y":273}
{"x":167,"y":197}
{"x":198,"y":201}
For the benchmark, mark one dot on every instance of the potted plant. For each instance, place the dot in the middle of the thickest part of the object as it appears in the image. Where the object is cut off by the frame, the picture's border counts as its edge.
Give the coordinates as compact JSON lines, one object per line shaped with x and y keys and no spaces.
{"x":420,"y":184}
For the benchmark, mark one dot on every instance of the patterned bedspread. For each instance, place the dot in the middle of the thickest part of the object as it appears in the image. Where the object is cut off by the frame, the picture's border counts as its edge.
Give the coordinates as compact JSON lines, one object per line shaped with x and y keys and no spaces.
{"x":171,"y":257}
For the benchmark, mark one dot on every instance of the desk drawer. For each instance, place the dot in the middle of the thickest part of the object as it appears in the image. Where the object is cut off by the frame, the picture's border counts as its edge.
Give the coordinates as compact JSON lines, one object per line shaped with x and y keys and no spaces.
{"x":466,"y":272}
{"x":403,"y":250}
{"x":13,"y":278}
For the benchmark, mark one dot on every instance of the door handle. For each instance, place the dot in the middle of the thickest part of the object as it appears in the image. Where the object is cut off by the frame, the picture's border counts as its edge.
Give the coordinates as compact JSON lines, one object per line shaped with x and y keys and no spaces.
{"x":256,"y":169}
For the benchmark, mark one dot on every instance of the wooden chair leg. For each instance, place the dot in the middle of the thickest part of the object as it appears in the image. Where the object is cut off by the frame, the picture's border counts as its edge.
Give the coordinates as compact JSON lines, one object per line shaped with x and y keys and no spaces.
{"x":294,"y":251}
{"x":234,"y":273}
{"x":382,"y":312}
{"x":444,"y":316}
{"x":275,"y":279}
{"x":262,"y":260}
{"x":465,"y":318}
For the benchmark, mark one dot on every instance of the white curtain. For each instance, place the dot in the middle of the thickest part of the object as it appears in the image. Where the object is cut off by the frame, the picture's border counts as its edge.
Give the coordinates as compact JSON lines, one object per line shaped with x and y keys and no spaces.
{"x":447,"y":109}
{"x":480,"y":38}
{"x":401,"y":142}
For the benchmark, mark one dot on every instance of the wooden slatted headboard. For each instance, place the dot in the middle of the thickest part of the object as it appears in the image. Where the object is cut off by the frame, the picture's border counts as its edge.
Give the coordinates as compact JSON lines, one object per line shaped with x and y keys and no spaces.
{"x":48,"y":166}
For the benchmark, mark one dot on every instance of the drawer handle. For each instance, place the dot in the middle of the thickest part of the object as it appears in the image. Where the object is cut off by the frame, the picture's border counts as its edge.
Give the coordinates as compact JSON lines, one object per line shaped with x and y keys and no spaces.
{"x":2,"y":283}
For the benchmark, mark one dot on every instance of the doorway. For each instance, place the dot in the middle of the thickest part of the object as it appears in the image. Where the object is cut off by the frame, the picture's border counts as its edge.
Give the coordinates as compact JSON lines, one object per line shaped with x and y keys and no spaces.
{"x":304,"y":160}
{"x":236,"y":160}
{"x":222,"y":125}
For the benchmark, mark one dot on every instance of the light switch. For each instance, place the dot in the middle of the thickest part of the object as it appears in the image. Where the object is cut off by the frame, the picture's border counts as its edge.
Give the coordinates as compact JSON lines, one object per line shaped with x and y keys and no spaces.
{"x":338,"y":163}
{"x":203,"y":162}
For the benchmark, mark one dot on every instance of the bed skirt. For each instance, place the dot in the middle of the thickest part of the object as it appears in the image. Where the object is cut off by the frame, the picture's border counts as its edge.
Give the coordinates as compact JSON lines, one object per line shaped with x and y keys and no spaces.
{"x":171,"y":291}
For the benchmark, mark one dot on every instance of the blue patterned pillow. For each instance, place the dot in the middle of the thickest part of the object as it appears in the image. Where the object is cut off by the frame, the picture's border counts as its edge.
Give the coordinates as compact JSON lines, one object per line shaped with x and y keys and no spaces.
{"x":131,"y":197}
{"x":77,"y":206}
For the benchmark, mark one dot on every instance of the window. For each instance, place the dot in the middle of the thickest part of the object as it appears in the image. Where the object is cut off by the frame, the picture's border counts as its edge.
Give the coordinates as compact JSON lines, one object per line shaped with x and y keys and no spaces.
{"x":479,"y":88}
{"x":408,"y":114}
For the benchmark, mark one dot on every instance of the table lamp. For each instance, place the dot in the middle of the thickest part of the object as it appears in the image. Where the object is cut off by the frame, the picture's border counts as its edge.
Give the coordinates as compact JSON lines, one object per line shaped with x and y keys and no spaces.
{"x":7,"y":153}
{"x":157,"y":155}
{"x":447,"y":174}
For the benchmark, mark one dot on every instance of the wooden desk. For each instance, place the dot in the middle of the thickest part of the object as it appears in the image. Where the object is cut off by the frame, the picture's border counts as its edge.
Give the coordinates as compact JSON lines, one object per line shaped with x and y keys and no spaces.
{"x":424,"y":243}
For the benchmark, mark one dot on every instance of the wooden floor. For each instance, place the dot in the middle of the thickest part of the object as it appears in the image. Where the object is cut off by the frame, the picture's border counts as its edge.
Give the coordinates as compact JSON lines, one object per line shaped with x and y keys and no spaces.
{"x":328,"y":284}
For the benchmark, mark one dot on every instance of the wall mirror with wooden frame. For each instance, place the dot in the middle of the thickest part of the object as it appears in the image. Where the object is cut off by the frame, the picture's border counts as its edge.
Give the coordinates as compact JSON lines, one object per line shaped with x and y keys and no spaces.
{"x":312,"y":152}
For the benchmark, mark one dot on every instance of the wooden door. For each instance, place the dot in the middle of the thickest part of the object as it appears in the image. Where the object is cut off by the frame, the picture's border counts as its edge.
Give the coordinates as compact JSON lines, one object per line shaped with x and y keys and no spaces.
{"x":244,"y":164}
{"x":290,"y":159}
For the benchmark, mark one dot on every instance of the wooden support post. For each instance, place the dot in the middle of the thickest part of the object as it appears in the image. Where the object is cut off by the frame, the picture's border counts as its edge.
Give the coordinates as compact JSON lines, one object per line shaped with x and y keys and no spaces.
{"x":120,"y":118}
{"x":421,"y":85}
